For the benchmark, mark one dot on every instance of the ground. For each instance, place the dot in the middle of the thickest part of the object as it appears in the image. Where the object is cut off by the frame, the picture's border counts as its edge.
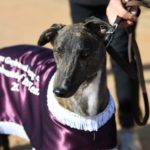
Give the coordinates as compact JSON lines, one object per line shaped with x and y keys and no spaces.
{"x":23,"y":21}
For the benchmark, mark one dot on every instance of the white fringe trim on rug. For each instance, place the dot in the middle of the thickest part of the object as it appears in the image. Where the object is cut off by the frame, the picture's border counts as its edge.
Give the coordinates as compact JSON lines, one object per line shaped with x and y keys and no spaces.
{"x":76,"y":121}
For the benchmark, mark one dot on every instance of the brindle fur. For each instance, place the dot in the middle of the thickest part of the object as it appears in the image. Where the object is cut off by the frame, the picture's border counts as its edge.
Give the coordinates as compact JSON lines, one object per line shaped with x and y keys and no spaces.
{"x":81,"y":64}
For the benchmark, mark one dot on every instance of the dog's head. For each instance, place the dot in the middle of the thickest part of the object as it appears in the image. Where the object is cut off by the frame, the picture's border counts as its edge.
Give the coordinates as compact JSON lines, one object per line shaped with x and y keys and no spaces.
{"x":79,"y":53}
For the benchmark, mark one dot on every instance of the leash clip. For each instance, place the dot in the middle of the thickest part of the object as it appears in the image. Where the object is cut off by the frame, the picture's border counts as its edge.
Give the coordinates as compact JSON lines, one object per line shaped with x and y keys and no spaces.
{"x":110,"y":33}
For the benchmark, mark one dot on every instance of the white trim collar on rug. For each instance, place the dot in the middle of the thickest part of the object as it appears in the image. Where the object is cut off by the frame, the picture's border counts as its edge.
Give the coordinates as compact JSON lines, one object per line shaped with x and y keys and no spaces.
{"x":76,"y":121}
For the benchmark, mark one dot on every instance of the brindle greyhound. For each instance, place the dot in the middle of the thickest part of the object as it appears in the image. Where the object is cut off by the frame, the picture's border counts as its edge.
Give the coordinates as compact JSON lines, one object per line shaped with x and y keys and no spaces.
{"x":80,"y":55}
{"x":37,"y":100}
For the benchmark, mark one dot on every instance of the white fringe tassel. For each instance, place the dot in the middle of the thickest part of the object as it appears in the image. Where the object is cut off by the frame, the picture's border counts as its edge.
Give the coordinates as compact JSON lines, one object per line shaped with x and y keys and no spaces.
{"x":76,"y":121}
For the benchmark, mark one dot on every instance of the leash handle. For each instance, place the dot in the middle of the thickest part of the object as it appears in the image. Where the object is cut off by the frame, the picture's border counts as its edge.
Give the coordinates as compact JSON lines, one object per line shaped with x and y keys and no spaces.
{"x":141,"y":80}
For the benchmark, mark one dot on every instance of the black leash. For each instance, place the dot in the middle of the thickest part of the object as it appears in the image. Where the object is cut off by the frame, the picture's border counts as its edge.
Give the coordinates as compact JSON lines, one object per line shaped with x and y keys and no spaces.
{"x":127,"y":67}
{"x":112,"y":52}
{"x":142,"y":85}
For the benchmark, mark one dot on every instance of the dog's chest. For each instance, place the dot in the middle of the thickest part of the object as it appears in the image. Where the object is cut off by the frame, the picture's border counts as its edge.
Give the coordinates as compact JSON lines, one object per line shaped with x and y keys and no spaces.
{"x":85,"y":101}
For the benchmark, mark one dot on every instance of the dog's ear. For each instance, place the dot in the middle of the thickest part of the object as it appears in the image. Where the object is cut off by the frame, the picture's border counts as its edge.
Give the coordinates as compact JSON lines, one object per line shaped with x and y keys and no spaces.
{"x":49,"y":34}
{"x":97,"y":25}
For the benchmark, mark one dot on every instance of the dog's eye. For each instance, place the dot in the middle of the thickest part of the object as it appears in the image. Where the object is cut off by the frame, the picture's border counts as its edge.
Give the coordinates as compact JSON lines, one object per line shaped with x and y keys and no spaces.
{"x":84,"y":53}
{"x":59,"y":50}
{"x":102,"y":28}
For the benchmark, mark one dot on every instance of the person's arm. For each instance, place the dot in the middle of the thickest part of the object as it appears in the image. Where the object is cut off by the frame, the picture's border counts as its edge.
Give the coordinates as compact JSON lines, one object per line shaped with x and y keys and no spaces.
{"x":115,"y":8}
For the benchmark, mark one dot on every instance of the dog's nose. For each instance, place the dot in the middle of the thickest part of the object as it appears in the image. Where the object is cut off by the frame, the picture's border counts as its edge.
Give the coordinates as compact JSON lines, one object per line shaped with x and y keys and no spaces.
{"x":60,"y":92}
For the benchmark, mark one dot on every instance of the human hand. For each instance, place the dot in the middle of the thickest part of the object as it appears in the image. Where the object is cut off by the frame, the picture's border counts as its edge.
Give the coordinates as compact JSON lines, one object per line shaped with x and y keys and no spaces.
{"x":115,"y":8}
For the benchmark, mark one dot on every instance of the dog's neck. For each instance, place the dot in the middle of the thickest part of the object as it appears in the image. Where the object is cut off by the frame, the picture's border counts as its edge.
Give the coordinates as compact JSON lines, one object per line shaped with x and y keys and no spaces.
{"x":91,"y":98}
